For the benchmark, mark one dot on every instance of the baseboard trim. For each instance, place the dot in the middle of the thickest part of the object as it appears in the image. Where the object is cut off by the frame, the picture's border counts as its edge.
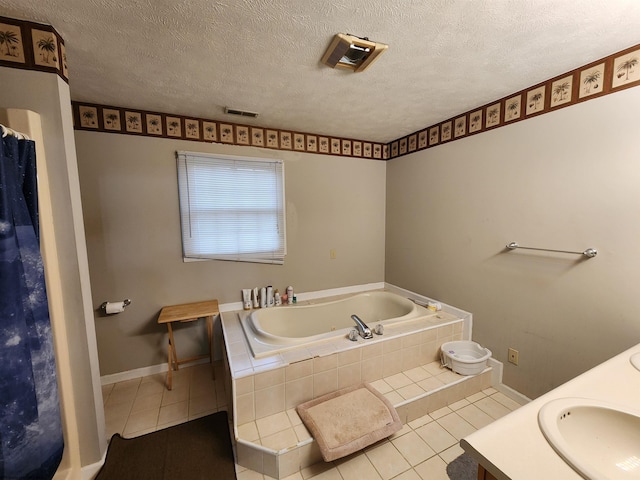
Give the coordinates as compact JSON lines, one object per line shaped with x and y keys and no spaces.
{"x":141,"y":372}
{"x":512,"y":394}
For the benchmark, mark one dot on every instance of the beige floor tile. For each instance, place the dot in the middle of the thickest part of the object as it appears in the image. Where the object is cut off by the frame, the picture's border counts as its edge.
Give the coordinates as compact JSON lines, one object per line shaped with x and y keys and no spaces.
{"x":410,"y":391}
{"x":404,"y":430}
{"x":150,"y":388}
{"x":357,"y":468}
{"x":141,"y":421}
{"x":147,"y":402}
{"x":398,"y":381}
{"x":448,"y":377}
{"x":301,"y":432}
{"x":121,"y":397}
{"x":294,"y":418}
{"x":492,"y":408}
{"x":413,"y":448}
{"x":451,"y":453}
{"x":489,"y":391}
{"x":114,"y":425}
{"x":158,"y":378}
{"x":295,"y":476}
{"x":456,"y":425}
{"x":127,"y":385}
{"x":433,"y":469}
{"x":394,"y":397}
{"x":281,"y":440}
{"x":436,"y":436}
{"x":317,"y":469}
{"x":434,"y":368}
{"x":475,"y":416}
{"x":273,"y":424}
{"x":248,"y":431}
{"x":202,"y":404}
{"x":475,"y":397}
{"x":382,"y":386}
{"x":387,"y":460}
{"x":331,"y":473}
{"x":176,"y":395}
{"x":408,"y":475}
{"x":119,"y":410}
{"x":202,"y":388}
{"x":418,"y":422}
{"x":417,"y":374}
{"x":441,"y":412}
{"x":173,"y":412}
{"x":506,"y":401}
{"x":250,"y":475}
{"x":430,"y":383}
{"x":459,"y":404}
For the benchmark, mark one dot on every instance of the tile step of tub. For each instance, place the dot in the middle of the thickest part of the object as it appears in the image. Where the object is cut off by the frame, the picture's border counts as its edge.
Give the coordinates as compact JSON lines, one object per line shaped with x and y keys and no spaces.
{"x":295,"y":441}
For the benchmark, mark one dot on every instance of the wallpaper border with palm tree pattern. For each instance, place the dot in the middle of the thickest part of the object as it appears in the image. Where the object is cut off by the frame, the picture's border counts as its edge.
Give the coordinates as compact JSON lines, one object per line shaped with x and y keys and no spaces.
{"x":611,"y":74}
{"x":32,"y":46}
{"x":105,"y":118}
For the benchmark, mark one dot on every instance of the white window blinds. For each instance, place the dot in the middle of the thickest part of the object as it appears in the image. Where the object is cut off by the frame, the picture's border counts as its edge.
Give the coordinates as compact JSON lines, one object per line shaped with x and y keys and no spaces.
{"x":232,"y":208}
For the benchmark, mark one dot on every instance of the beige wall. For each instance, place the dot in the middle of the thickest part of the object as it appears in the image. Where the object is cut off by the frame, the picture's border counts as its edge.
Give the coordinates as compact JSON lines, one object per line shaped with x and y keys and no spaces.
{"x":567,"y":180}
{"x":130,"y":202}
{"x":65,"y":260}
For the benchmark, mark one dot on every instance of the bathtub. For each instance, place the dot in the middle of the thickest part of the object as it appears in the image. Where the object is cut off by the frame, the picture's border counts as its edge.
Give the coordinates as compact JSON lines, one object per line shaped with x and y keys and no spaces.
{"x":272,"y":330}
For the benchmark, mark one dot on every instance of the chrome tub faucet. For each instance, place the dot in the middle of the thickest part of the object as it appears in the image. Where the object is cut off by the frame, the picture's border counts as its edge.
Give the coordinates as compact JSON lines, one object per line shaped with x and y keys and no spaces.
{"x":363,"y":330}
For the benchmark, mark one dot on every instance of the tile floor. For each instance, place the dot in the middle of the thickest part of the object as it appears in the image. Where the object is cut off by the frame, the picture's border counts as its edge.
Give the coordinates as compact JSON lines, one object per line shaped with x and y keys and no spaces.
{"x":421,"y":450}
{"x":143,"y":405}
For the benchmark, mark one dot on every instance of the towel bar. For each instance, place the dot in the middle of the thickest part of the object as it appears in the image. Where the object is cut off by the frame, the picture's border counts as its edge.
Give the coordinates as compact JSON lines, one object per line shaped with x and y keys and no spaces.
{"x":589,"y":252}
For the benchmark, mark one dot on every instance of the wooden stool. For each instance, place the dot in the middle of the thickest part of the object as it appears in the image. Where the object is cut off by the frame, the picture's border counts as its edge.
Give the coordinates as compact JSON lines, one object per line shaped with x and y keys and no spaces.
{"x":187,"y":312}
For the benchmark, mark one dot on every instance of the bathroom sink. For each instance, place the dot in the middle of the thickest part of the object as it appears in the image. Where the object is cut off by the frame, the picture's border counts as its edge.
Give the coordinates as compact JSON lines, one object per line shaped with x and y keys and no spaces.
{"x":598,"y":440}
{"x":635,"y":360}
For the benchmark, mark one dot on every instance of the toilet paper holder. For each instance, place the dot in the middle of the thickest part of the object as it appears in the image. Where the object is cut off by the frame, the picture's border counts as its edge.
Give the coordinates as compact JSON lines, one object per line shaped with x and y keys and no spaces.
{"x":125,"y":303}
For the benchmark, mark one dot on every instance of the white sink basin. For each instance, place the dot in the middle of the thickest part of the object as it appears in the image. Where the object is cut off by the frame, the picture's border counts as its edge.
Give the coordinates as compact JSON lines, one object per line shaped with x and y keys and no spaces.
{"x":635,"y":360}
{"x":598,"y":440}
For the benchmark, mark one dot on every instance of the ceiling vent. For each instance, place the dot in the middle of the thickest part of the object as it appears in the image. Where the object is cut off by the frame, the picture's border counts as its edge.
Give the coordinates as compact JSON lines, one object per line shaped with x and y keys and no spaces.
{"x":242,"y":113}
{"x":351,"y":52}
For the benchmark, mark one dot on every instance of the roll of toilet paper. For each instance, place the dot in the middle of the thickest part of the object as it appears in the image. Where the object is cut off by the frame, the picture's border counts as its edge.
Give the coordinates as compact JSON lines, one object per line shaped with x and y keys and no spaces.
{"x":114,"y":307}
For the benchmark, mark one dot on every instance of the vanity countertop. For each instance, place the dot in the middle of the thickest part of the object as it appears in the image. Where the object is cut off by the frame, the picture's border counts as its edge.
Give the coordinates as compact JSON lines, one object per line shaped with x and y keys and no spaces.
{"x":514,"y":448}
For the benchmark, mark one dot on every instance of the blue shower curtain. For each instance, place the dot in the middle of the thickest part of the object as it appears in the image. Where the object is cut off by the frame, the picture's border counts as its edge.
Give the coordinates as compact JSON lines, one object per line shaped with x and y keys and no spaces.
{"x":31,"y":441}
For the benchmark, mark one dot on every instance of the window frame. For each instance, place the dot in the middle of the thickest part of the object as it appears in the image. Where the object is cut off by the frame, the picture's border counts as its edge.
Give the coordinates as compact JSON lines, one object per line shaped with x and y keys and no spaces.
{"x":185,"y":194}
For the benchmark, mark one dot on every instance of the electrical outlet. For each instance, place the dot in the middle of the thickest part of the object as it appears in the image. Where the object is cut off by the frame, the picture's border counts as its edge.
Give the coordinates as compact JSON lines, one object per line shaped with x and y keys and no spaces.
{"x":513,"y":356}
{"x":332,"y":254}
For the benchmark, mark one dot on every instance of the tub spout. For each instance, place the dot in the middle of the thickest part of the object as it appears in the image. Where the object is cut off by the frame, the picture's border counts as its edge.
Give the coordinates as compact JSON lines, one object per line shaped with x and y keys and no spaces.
{"x":363,"y":330}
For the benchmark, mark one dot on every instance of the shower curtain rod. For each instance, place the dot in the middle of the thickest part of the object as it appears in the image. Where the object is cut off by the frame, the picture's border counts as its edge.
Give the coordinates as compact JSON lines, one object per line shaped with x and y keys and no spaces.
{"x":6,"y":131}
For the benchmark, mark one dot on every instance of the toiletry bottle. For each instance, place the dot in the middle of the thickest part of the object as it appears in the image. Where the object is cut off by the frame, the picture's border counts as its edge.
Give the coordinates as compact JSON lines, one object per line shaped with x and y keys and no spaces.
{"x":269,"y":296}
{"x":276,"y":298}
{"x":289,"y":295}
{"x":246,"y":298}
{"x":256,"y":301}
{"x":263,"y":297}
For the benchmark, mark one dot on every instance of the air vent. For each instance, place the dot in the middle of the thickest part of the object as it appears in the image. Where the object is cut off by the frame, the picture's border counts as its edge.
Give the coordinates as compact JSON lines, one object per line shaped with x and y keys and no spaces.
{"x":242,"y":113}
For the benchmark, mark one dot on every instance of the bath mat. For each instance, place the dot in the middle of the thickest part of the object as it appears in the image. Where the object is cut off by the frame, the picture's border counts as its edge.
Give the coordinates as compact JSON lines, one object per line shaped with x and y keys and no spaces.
{"x":463,"y":468}
{"x":349,"y":420}
{"x":196,"y":450}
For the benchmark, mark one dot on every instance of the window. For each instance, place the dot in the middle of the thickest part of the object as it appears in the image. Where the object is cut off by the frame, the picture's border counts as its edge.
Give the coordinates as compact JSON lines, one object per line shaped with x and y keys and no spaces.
{"x":231,"y":208}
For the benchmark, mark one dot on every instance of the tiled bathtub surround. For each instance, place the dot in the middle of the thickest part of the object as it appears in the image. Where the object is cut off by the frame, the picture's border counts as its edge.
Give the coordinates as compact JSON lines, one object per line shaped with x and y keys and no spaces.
{"x":278,"y":386}
{"x":403,"y":365}
{"x":280,"y":445}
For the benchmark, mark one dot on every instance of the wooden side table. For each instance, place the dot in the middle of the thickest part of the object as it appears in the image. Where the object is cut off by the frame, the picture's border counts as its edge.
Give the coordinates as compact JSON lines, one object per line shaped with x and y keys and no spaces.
{"x":187,"y":312}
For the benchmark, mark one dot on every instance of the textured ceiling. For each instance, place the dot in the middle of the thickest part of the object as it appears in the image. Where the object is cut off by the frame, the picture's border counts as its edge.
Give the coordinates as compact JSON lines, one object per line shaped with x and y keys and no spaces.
{"x":445,"y":56}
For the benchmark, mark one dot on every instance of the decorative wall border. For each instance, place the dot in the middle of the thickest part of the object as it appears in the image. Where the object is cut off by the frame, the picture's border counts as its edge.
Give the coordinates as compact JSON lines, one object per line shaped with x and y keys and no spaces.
{"x":608,"y":75}
{"x":131,"y":121}
{"x":32,"y":46}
